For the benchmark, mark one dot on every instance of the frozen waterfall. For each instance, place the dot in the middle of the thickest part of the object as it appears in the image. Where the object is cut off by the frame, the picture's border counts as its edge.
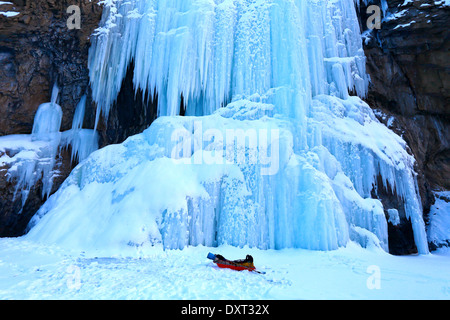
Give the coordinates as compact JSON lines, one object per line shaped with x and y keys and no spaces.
{"x":213,"y":52}
{"x":274,"y":151}
{"x":35,"y":157}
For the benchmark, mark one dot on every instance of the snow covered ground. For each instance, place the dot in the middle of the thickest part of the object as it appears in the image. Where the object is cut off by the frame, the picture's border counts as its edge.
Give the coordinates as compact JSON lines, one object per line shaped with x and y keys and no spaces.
{"x":32,"y":271}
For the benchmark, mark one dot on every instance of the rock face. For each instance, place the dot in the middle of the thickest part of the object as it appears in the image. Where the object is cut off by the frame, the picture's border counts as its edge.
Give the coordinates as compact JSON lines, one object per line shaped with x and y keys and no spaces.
{"x":408,"y":62}
{"x":37,"y":49}
{"x":131,"y":113}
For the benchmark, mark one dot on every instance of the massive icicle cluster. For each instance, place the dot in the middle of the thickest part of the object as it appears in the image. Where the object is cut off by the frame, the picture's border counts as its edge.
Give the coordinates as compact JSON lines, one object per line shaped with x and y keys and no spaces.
{"x":273,"y":152}
{"x":212,"y":52}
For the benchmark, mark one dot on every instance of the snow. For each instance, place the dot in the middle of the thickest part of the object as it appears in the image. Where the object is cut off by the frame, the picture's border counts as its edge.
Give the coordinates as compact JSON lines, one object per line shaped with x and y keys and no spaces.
{"x":32,"y":271}
{"x":384,"y":5}
{"x":26,"y":161}
{"x":16,"y":141}
{"x":405,"y":25}
{"x":9,"y":14}
{"x":444,"y":3}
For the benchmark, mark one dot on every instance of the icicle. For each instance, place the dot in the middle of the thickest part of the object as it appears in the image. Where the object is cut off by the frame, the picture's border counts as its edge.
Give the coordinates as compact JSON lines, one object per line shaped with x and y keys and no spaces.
{"x":46,"y":127}
{"x":36,"y":160}
{"x":82,"y":141}
{"x":245,"y":67}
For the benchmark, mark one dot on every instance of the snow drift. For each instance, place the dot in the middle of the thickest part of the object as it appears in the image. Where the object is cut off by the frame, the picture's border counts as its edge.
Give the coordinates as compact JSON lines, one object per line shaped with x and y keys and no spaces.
{"x":273,"y":153}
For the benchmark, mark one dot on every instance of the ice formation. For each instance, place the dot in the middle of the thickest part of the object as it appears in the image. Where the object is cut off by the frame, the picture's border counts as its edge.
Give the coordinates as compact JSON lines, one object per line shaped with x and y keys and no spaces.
{"x":47,"y":121}
{"x":82,"y":141}
{"x":439,"y":227}
{"x":274,"y":152}
{"x":212,"y":52}
{"x":31,"y":158}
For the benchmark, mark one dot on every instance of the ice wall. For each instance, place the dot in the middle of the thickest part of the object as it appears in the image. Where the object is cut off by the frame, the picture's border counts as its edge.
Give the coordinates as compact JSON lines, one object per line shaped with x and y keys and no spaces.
{"x":188,"y":181}
{"x":212,"y":52}
{"x":303,"y":163}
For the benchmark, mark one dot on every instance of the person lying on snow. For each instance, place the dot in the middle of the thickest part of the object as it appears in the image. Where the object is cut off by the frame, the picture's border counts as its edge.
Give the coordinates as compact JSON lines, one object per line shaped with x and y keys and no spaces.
{"x":243,"y":264}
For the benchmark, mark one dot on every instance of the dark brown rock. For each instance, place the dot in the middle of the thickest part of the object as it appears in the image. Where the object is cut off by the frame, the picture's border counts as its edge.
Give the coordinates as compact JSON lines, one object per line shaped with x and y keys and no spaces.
{"x":408,"y":62}
{"x":36,"y":50}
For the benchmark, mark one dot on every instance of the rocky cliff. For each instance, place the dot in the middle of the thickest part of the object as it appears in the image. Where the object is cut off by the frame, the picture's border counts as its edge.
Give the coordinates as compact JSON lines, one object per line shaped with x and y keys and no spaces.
{"x":37,"y":49}
{"x":408,"y":62}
